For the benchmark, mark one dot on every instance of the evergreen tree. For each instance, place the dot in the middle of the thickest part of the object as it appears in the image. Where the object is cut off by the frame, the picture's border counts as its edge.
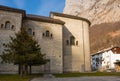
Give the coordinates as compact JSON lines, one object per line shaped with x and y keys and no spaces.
{"x":24,"y":51}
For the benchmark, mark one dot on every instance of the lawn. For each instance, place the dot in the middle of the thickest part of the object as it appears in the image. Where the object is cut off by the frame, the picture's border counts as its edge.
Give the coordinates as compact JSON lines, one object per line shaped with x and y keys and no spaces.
{"x":9,"y":77}
{"x":87,"y":74}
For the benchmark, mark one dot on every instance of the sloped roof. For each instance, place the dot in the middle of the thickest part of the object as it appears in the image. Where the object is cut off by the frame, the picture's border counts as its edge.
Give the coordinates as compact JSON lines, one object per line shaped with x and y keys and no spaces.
{"x":31,"y":17}
{"x":115,"y":49}
{"x":70,"y":16}
{"x":44,"y":19}
{"x":5,"y":8}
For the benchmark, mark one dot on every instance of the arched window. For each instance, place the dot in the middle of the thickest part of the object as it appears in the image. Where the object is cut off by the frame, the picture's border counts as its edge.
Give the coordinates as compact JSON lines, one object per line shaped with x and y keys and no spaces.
{"x":7,"y":25}
{"x":47,"y":33}
{"x":2,"y":26}
{"x":30,"y":31}
{"x":72,"y":40}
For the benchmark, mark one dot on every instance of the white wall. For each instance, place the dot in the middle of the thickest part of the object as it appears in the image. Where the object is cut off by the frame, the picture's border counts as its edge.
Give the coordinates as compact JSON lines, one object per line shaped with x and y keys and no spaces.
{"x":108,"y":58}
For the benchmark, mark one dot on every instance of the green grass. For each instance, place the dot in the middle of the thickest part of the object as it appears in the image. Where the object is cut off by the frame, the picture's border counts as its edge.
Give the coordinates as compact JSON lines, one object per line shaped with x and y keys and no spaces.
{"x":4,"y":77}
{"x":87,"y":74}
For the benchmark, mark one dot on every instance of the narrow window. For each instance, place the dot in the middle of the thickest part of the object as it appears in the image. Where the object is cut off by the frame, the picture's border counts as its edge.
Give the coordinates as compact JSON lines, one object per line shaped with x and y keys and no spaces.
{"x":33,"y":33}
{"x":2,"y":26}
{"x":77,"y":43}
{"x":72,"y":40}
{"x":51,"y":35}
{"x":47,"y":33}
{"x":13,"y":28}
{"x":3,"y":44}
{"x":67,"y":42}
{"x":7,"y":25}
{"x":30,"y":31}
{"x":43,"y":35}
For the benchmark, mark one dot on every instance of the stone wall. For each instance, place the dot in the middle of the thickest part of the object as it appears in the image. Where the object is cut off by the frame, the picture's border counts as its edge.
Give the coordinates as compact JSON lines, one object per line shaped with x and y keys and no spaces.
{"x":51,"y":46}
{"x":15,"y":20}
{"x":54,"y":40}
{"x":77,"y":56}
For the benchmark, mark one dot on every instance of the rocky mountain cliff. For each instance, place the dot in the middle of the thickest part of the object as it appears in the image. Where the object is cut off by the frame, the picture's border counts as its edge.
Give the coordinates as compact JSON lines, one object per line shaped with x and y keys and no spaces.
{"x":97,"y":11}
{"x":105,"y":18}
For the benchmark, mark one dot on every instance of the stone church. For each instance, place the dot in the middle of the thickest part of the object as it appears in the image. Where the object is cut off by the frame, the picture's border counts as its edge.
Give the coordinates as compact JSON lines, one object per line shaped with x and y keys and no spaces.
{"x":63,"y":38}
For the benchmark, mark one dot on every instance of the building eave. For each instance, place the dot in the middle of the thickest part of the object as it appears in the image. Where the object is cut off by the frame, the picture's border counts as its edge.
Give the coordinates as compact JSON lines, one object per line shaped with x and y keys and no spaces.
{"x":6,"y":8}
{"x":107,"y":49}
{"x":70,"y":16}
{"x":44,"y":19}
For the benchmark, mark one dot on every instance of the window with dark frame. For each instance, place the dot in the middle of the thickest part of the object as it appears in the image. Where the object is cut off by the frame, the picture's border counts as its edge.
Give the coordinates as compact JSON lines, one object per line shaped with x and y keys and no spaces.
{"x":7,"y":25}
{"x":47,"y":33}
{"x":30,"y":31}
{"x":72,"y":40}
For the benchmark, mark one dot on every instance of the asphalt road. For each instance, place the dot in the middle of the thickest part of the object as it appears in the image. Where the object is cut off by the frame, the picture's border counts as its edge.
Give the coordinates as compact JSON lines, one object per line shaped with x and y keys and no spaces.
{"x":111,"y":78}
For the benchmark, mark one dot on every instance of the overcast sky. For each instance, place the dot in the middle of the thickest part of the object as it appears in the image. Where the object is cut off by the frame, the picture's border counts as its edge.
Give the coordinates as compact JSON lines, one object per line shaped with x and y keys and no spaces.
{"x":38,"y":7}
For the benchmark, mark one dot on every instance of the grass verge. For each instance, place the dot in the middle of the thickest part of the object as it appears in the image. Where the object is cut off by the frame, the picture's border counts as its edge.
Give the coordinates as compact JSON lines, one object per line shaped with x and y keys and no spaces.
{"x":6,"y":77}
{"x":87,"y":74}
{"x":10,"y":77}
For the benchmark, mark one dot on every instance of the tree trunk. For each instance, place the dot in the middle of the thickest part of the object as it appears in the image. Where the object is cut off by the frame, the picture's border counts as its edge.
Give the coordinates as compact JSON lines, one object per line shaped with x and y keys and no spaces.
{"x":21,"y":70}
{"x":26,"y":69}
{"x":30,"y":69}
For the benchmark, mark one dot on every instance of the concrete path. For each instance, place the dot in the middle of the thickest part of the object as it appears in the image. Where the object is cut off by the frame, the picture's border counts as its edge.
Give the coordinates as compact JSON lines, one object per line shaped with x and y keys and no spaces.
{"x":79,"y":79}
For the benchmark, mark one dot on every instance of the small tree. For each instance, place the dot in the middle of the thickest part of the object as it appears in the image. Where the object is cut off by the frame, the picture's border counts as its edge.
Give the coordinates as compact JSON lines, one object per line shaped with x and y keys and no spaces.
{"x":24,"y":51}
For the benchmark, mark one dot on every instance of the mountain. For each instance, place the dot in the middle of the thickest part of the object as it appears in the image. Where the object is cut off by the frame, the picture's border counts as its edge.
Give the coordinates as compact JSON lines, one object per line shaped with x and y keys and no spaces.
{"x":105,"y":20}
{"x":104,"y":35}
{"x":97,"y":11}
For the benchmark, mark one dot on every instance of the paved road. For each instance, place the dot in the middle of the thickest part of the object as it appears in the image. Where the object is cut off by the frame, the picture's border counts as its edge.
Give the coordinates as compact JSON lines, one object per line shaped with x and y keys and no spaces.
{"x":79,"y":79}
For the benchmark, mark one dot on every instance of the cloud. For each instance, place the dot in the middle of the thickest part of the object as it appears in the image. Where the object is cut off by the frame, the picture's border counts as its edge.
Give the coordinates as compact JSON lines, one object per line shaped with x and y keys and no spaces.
{"x":19,"y":3}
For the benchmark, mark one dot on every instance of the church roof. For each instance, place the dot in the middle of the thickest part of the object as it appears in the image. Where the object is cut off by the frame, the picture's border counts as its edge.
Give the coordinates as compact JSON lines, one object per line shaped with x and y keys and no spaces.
{"x":5,"y":8}
{"x":44,"y":19}
{"x":31,"y":17}
{"x":70,"y":16}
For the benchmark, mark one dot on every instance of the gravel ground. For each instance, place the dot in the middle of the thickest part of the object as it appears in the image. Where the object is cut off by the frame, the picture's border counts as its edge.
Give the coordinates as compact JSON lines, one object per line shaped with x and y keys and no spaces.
{"x":111,"y":78}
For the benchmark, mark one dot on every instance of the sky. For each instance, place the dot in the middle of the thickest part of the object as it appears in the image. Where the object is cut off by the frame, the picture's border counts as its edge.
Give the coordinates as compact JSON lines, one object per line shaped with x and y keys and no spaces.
{"x":36,"y":7}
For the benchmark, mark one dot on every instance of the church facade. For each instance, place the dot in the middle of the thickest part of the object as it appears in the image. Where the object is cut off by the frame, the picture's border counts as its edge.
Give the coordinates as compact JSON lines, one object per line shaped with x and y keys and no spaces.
{"x":63,"y":38}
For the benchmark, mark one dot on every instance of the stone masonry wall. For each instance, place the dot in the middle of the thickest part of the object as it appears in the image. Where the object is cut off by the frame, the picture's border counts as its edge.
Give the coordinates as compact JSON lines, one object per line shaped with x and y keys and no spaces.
{"x":16,"y":20}
{"x":51,"y":46}
{"x":76,"y":57}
